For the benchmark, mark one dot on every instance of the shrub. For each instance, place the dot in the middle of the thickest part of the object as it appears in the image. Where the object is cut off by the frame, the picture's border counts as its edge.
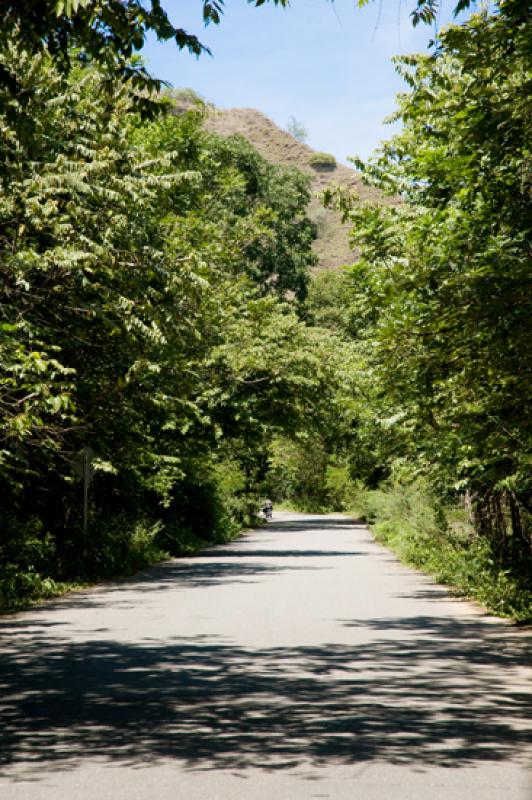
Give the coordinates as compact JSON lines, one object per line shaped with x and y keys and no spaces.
{"x":339,"y":486}
{"x":322,"y":161}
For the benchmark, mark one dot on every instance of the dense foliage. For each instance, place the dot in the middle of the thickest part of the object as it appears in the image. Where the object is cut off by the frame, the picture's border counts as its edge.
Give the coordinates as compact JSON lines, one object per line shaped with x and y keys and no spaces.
{"x":442,"y":293}
{"x":109,"y":32}
{"x":151,"y":281}
{"x":160,"y":333}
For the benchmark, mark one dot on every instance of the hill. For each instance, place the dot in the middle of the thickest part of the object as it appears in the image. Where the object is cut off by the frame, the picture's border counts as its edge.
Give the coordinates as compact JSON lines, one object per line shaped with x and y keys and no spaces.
{"x":332,"y":245}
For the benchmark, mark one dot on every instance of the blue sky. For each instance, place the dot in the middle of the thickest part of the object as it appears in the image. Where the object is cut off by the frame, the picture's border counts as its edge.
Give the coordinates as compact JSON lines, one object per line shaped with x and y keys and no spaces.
{"x":326,"y":64}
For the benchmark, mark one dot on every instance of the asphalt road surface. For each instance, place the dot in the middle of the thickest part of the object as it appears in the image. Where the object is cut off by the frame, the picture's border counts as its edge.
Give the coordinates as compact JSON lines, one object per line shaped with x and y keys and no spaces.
{"x":302,"y":661}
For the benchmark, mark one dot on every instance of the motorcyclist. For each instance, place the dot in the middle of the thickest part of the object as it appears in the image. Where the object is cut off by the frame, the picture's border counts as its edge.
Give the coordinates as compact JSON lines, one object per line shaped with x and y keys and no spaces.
{"x":267,"y":510}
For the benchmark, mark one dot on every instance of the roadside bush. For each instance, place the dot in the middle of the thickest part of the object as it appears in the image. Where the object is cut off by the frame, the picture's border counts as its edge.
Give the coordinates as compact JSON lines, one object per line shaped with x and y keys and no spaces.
{"x":121,"y":545}
{"x":240,"y":501}
{"x":298,"y":474}
{"x":340,"y":487}
{"x":25,"y":552}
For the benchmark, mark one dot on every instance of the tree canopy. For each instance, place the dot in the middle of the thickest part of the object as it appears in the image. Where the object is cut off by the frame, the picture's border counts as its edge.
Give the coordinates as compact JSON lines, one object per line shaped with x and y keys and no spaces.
{"x":444,"y":287}
{"x":150,"y":312}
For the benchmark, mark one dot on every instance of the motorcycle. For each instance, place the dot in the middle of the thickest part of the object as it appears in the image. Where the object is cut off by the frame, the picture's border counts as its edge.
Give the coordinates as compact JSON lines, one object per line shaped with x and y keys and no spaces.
{"x":266,"y":511}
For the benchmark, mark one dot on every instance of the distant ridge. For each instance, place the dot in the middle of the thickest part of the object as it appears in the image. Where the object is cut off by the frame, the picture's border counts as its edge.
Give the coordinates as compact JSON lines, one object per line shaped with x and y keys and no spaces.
{"x":277,"y":146}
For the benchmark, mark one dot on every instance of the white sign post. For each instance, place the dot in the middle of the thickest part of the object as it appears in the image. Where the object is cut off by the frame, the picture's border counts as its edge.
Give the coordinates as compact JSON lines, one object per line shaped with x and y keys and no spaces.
{"x":82,"y":465}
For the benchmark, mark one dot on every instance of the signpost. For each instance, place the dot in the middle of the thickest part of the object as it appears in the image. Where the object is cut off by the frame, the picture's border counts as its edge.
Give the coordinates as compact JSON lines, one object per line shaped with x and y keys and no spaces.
{"x":82,"y":466}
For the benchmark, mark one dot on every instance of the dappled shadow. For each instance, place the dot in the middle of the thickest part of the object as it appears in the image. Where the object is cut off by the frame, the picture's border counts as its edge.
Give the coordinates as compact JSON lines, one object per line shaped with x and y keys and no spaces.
{"x":421,"y":691}
{"x":425,"y":691}
{"x":255,"y":553}
{"x":178,"y":575}
{"x":208,"y":567}
{"x":200,"y":573}
{"x":488,"y":642}
{"x":309,"y":524}
{"x":9,"y":621}
{"x":432,"y":593}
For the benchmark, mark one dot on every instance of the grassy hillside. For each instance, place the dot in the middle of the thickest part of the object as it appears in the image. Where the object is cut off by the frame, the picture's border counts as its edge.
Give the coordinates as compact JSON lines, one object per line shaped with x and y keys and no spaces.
{"x":332,"y":245}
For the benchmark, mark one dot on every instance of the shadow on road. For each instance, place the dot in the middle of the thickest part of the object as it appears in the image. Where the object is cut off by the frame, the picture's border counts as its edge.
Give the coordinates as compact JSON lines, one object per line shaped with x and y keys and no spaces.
{"x":440,"y":698}
{"x":208,"y":567}
{"x":420,"y":691}
{"x":255,"y":553}
{"x":319,"y":523}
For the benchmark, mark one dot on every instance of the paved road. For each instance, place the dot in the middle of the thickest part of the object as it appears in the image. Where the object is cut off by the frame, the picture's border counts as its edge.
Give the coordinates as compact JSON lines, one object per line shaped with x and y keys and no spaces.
{"x":300,"y":662}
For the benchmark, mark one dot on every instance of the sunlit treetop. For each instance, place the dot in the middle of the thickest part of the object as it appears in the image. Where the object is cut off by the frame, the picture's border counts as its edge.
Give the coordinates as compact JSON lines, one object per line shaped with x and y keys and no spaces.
{"x":110,"y":32}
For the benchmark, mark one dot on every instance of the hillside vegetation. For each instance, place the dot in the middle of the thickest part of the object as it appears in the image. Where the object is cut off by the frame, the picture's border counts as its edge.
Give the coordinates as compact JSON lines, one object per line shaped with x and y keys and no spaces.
{"x":332,"y":246}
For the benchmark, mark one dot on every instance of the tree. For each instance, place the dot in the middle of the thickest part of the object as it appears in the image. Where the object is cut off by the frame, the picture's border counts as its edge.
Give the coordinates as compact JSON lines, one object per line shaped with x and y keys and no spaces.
{"x":109,"y":32}
{"x":130,"y":252}
{"x":444,"y":284}
{"x":426,"y":11}
{"x":297,"y":130}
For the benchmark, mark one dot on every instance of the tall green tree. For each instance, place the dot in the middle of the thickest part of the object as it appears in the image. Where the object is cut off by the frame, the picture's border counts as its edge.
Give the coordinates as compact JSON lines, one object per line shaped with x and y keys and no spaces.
{"x":130,"y":251}
{"x":109,"y":32}
{"x":444,"y":283}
